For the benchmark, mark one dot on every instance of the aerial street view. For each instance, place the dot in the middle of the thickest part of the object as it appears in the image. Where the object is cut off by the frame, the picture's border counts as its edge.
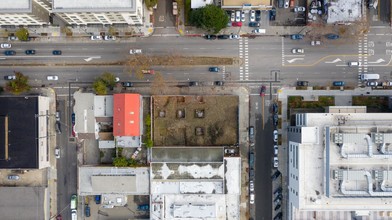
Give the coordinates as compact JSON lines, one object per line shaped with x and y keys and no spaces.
{"x":196,"y":109}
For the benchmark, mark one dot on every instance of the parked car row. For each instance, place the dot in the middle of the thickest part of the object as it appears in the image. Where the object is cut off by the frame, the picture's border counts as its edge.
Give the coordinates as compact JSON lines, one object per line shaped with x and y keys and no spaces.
{"x":239,"y":16}
{"x":106,"y":37}
{"x":275,"y":120}
{"x":222,"y":36}
{"x":301,"y":36}
{"x":29,"y":52}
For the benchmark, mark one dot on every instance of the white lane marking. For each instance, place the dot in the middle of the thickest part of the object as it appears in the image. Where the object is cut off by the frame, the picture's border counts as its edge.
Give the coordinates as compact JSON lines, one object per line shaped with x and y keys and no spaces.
{"x":295,"y":59}
{"x":334,"y":61}
{"x":378,"y":61}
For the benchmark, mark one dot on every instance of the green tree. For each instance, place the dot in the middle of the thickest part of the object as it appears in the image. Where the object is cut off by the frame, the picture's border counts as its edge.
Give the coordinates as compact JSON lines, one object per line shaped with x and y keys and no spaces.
{"x":22,"y":34}
{"x":100,"y":87}
{"x":151,"y":3}
{"x":120,"y":162}
{"x":109,"y":79}
{"x":19,"y":84}
{"x":210,"y":18}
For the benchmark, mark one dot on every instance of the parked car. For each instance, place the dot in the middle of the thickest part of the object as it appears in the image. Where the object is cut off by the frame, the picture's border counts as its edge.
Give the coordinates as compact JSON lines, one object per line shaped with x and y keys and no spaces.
{"x":237,"y":16}
{"x":278,"y":191}
{"x":252,"y":198}
{"x":279,"y":196}
{"x":299,"y":9}
{"x":96,"y":37}
{"x":252,"y":15}
{"x":251,"y":133}
{"x":219,"y":83}
{"x":30,"y":52}
{"x":262,"y":90}
{"x":297,"y":37}
{"x":237,"y":24}
{"x":234,"y":37}
{"x":56,"y":52}
{"x":258,"y":15}
{"x":57,"y":116}
{"x":254,"y":24}
{"x":127,"y":84}
{"x":57,"y":153}
{"x":214,"y":69}
{"x":286,"y":3}
{"x":278,"y":216}
{"x":58,"y":127}
{"x":280,"y":3}
{"x":315,"y":42}
{"x":194,"y":83}
{"x":302,"y":83}
{"x":251,"y":186}
{"x":259,"y":31}
{"x":275,"y":119}
{"x":232,"y":16}
{"x":13,"y":38}
{"x":277,"y":207}
{"x":10,"y":77}
{"x":229,"y":151}
{"x":297,"y":50}
{"x":9,"y":52}
{"x":87,"y":211}
{"x":275,"y":108}
{"x":275,"y":135}
{"x":109,"y":37}
{"x":148,"y":72}
{"x":338,"y":83}
{"x":242,"y":16}
{"x":5,"y":46}
{"x":272,"y":14}
{"x":97,"y":199}
{"x":135,"y":51}
{"x":276,"y":162}
{"x":223,"y":37}
{"x":13,"y":177}
{"x":277,"y":202}
{"x":210,"y":36}
{"x":372,"y":83}
{"x":332,"y":36}
{"x":52,"y":78}
{"x":276,"y":151}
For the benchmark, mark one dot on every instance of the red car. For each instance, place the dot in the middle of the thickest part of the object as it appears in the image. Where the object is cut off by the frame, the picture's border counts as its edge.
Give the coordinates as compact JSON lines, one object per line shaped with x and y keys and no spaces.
{"x":236,"y":24}
{"x":148,"y":72}
{"x":262,"y":91}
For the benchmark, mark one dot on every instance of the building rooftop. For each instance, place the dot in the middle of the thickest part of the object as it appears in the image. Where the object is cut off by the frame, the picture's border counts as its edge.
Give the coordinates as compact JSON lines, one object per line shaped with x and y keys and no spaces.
{"x":15,"y":6}
{"x":84,"y":113}
{"x":103,"y":106}
{"x":127,"y":114}
{"x":342,"y":11}
{"x":98,"y":6}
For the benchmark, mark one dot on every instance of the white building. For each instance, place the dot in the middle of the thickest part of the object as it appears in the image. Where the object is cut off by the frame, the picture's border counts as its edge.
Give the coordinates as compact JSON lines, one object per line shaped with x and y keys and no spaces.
{"x":84,"y":12}
{"x":340,"y":162}
{"x":24,"y":12}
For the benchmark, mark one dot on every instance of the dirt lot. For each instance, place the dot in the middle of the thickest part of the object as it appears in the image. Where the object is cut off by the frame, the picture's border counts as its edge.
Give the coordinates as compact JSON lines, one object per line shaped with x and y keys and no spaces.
{"x":195,"y":120}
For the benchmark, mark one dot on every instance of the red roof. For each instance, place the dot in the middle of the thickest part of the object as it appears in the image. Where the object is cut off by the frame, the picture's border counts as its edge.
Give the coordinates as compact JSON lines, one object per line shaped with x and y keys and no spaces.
{"x":126,"y":114}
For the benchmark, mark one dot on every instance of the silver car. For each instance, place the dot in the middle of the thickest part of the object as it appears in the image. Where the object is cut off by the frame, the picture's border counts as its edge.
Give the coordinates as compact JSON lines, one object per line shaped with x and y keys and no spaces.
{"x":13,"y":177}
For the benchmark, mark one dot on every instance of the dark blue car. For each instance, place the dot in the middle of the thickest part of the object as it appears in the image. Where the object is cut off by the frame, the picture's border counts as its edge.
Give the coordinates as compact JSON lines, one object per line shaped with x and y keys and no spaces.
{"x":297,"y":37}
{"x":56,"y":52}
{"x":214,"y":69}
{"x":338,"y":83}
{"x":9,"y":52}
{"x":332,"y":36}
{"x":97,"y":199}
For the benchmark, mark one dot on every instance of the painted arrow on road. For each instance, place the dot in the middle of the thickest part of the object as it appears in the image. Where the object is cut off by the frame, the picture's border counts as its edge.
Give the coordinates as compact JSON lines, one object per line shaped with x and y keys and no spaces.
{"x":334,"y":61}
{"x":378,"y":61}
{"x":295,"y":59}
{"x":91,"y":58}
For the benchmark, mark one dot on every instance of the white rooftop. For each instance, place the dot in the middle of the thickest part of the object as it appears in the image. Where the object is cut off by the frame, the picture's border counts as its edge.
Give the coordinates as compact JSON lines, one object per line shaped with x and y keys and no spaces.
{"x":344,"y":11}
{"x":103,"y":106}
{"x":15,"y":6}
{"x":200,"y":3}
{"x":98,"y":5}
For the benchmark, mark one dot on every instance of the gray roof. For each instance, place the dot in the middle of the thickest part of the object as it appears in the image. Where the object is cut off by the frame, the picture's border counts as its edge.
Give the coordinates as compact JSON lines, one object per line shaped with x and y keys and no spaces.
{"x":23,"y":203}
{"x":97,"y":6}
{"x":15,"y":6}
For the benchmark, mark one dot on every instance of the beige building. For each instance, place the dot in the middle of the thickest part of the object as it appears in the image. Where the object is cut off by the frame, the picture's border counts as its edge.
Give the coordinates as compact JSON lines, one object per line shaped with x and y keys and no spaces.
{"x":24,"y":12}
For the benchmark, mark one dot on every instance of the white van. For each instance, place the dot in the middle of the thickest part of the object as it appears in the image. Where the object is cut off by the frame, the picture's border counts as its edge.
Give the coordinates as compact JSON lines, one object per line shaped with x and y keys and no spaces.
{"x":354,"y":63}
{"x":369,"y":76}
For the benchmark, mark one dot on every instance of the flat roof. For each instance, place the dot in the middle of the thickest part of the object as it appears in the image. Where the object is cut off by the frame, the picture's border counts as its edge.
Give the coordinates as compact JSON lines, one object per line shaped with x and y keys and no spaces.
{"x":15,"y":6}
{"x":344,"y":11}
{"x":186,"y":154}
{"x":244,"y":2}
{"x":103,"y":106}
{"x":127,"y":114}
{"x":97,"y":6}
{"x":341,"y":157}
{"x":84,"y":113}
{"x":19,"y":132}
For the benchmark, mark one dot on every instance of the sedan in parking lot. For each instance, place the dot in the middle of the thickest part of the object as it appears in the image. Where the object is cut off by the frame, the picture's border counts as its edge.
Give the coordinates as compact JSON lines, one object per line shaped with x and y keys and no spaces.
{"x":259,"y":31}
{"x":30,"y":52}
{"x":252,"y":15}
{"x":297,"y":50}
{"x":276,"y":151}
{"x":5,"y":46}
{"x":232,"y":16}
{"x":272,"y":14}
{"x":237,"y":16}
{"x":236,"y":24}
{"x":242,"y":16}
{"x":258,"y":15}
{"x":13,"y":177}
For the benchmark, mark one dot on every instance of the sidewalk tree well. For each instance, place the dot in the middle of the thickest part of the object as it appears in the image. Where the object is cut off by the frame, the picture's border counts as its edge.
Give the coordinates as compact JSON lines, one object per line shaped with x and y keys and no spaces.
{"x":210,"y":18}
{"x":22,"y":34}
{"x":19,"y":84}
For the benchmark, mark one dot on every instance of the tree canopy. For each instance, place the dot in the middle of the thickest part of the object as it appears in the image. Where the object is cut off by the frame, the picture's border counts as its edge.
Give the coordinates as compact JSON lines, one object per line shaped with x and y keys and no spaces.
{"x":22,"y":34}
{"x":105,"y":81}
{"x":210,"y":18}
{"x":19,"y":84}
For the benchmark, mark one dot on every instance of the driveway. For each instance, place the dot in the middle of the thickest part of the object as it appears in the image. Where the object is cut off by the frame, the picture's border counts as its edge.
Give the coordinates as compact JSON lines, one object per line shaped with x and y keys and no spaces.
{"x":164,"y":20}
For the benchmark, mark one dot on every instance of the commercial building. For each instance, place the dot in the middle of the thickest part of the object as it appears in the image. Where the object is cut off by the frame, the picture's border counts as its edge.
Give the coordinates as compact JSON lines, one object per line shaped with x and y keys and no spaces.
{"x":247,"y":4}
{"x":340,"y":162}
{"x":24,"y":12}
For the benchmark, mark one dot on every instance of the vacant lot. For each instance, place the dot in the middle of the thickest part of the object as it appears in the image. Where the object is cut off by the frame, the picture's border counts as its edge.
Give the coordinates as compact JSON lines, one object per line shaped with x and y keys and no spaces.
{"x":195,"y":120}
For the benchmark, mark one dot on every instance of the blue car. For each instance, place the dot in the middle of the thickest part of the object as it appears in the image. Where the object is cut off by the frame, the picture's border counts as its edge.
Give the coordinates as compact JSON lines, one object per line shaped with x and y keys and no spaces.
{"x":56,"y":52}
{"x":9,"y":52}
{"x":214,"y":69}
{"x":97,"y":199}
{"x":87,"y":211}
{"x":338,"y":83}
{"x":297,"y":37}
{"x":332,"y":36}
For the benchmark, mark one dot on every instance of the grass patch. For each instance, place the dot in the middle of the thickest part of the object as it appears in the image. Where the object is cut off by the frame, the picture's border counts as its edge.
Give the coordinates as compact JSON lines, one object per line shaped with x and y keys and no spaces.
{"x":187,"y":9}
{"x":373,"y":103}
{"x":323,"y":101}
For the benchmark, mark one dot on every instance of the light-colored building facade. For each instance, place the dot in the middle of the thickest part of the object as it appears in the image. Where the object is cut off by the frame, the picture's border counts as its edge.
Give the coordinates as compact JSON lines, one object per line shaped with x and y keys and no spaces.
{"x":24,"y":12}
{"x":340,"y":162}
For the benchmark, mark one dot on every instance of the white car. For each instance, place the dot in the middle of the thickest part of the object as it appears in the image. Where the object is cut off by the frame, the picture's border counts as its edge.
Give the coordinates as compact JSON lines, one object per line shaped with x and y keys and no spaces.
{"x":259,"y":31}
{"x":252,"y":198}
{"x":252,"y":16}
{"x":297,"y":50}
{"x":135,"y":51}
{"x":286,"y":3}
{"x":234,"y":36}
{"x":57,"y":153}
{"x":275,"y":136}
{"x":109,"y":37}
{"x":315,"y":42}
{"x":276,"y":162}
{"x":242,"y":16}
{"x":232,"y":16}
{"x":97,"y":37}
{"x":237,"y":16}
{"x":299,"y":9}
{"x":52,"y":78}
{"x":251,"y":186}
{"x":5,"y":46}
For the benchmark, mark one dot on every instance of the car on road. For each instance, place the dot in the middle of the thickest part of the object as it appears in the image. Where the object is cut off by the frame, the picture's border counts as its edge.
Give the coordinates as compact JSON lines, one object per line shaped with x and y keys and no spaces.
{"x":219,"y":83}
{"x":232,"y":16}
{"x":234,"y":36}
{"x":315,"y":42}
{"x":56,"y":52}
{"x":297,"y":50}
{"x":332,"y":36}
{"x":13,"y":38}
{"x":237,"y":24}
{"x":372,"y":83}
{"x":9,"y":52}
{"x":214,"y":69}
{"x":127,"y":84}
{"x":252,"y":198}
{"x":109,"y":37}
{"x":276,"y":151}
{"x":57,"y":126}
{"x":30,"y":52}
{"x":251,"y":186}
{"x":194,"y":83}
{"x":252,"y":15}
{"x":96,"y":37}
{"x":242,"y":16}
{"x":148,"y":72}
{"x":258,"y":15}
{"x":237,"y":16}
{"x":277,"y":207}
{"x":302,"y":83}
{"x":57,"y":153}
{"x":10,"y":77}
{"x":275,"y":119}
{"x":275,"y":108}
{"x":258,"y":31}
{"x":297,"y":37}
{"x":299,"y":9}
{"x":52,"y":78}
{"x":262,"y":90}
{"x":254,"y":24}
{"x":338,"y":83}
{"x":276,"y":162}
{"x":5,"y":46}
{"x":275,"y":136}
{"x":272,"y":14}
{"x":13,"y":177}
{"x":135,"y":51}
{"x":223,"y":37}
{"x":354,"y":63}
